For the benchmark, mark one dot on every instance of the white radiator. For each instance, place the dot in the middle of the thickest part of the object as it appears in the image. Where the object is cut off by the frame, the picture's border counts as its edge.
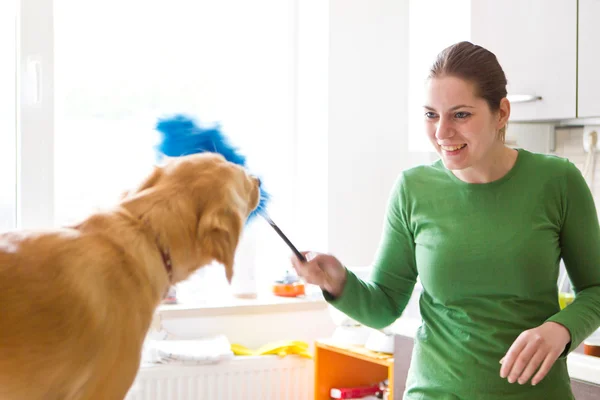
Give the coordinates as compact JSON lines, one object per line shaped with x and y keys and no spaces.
{"x":243,"y":378}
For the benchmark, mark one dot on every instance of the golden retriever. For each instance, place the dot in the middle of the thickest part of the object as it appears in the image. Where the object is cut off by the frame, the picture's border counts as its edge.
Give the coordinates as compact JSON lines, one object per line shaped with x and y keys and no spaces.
{"x":76,"y":303}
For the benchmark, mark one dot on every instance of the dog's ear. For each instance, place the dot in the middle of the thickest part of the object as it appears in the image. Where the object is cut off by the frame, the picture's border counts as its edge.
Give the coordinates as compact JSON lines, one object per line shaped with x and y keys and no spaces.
{"x":218,"y":235}
{"x":147,"y":183}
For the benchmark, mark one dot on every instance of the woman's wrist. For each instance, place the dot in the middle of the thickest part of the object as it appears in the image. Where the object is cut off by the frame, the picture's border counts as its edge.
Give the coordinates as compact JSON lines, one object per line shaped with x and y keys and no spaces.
{"x":335,"y":285}
{"x":562,"y":330}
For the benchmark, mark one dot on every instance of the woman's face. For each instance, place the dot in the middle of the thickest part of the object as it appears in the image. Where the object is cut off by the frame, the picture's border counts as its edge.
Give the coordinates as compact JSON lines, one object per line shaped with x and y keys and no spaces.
{"x":460,"y":125}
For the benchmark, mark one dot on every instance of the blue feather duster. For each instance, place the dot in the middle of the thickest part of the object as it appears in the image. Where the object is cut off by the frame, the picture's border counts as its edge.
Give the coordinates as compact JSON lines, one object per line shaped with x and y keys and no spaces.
{"x":181,"y":136}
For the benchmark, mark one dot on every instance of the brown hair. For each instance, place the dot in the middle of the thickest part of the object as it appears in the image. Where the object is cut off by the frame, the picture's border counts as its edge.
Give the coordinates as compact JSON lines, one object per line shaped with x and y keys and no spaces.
{"x":475,"y":64}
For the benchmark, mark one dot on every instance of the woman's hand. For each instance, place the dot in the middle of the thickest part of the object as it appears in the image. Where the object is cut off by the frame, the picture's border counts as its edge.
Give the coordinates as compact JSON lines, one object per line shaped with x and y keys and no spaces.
{"x":322,"y":270}
{"x":534,"y":350}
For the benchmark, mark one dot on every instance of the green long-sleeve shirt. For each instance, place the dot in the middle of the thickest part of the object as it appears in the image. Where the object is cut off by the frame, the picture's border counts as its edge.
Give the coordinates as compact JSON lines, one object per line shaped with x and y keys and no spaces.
{"x":488,"y":258}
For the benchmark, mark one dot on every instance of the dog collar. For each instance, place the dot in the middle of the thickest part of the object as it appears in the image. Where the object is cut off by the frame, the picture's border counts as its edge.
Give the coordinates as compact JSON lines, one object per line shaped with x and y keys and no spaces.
{"x":166,"y":258}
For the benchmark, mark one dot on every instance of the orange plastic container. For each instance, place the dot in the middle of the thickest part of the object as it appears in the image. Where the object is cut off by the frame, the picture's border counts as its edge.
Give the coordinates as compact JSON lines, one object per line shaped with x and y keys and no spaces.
{"x":288,"y":289}
{"x":289,"y":286}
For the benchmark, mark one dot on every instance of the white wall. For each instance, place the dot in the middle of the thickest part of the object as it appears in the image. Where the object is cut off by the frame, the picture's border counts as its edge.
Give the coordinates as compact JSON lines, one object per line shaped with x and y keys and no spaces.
{"x":367,"y":137}
{"x":312,"y":126}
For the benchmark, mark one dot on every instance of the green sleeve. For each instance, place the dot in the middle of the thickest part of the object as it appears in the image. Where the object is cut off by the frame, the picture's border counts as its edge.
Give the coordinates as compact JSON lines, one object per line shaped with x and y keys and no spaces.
{"x":377,"y":303}
{"x":580,"y":250}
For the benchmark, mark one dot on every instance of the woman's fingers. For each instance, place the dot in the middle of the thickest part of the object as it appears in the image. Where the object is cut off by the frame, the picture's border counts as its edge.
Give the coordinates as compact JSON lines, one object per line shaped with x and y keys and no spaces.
{"x":511,"y":356}
{"x":522,"y":360}
{"x":532,"y":366}
{"x":322,"y":270}
{"x":310,"y":270}
{"x":306,"y":254}
{"x":545,"y":368}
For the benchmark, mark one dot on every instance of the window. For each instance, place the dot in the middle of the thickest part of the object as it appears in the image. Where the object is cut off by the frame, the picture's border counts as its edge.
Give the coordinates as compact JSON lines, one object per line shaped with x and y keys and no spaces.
{"x":8,"y":135}
{"x":110,"y":68}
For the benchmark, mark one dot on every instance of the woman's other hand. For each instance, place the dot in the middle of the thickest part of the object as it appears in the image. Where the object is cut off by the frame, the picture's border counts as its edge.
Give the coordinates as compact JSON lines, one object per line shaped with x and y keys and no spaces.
{"x":322,"y":270}
{"x":534,"y":352}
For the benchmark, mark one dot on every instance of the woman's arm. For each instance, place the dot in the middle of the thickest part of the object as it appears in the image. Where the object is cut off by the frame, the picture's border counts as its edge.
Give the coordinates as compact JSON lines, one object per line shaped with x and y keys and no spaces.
{"x":381,"y":300}
{"x":580,"y":249}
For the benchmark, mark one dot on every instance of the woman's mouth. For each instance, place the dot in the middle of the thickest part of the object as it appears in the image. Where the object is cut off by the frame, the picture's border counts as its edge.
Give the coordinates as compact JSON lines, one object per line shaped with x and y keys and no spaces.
{"x":451,"y":150}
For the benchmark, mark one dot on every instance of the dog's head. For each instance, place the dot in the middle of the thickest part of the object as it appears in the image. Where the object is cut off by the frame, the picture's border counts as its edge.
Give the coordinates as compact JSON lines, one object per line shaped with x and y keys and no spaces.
{"x":198,"y":204}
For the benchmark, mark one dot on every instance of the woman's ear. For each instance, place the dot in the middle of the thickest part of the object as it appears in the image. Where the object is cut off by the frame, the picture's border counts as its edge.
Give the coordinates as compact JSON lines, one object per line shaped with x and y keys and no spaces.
{"x":503,"y":113}
{"x":218,"y":236}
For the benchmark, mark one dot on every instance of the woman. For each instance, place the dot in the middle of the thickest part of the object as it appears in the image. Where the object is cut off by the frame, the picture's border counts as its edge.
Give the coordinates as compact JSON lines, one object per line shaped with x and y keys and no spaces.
{"x":484,"y":228}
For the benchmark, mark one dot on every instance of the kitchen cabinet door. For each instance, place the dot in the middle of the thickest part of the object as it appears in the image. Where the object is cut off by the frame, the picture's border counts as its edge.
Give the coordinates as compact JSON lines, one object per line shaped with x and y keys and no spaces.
{"x":535,"y":41}
{"x":589,"y":59}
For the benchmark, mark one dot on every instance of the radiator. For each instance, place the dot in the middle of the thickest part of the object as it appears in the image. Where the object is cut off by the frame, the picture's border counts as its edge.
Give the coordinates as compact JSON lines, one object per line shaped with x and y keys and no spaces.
{"x":243,"y":378}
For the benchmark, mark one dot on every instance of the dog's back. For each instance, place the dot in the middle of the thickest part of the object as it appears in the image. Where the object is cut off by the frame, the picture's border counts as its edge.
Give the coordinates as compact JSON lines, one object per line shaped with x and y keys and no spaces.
{"x":58,"y":285}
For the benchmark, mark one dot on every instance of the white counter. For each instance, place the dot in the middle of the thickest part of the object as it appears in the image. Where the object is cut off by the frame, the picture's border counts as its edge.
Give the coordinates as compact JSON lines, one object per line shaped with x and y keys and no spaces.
{"x":581,"y":367}
{"x":584,"y":368}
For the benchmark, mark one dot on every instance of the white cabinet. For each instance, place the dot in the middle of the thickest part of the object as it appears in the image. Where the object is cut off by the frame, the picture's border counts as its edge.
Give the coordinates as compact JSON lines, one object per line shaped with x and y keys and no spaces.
{"x":535,"y":41}
{"x":588,"y":99}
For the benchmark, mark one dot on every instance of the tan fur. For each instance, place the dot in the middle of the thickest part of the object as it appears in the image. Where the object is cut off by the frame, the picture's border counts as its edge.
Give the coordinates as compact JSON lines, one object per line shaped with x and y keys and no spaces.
{"x":76,"y":303}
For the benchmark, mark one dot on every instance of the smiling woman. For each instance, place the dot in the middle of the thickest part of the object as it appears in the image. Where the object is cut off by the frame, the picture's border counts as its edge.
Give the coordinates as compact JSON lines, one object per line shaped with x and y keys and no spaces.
{"x":484,"y":229}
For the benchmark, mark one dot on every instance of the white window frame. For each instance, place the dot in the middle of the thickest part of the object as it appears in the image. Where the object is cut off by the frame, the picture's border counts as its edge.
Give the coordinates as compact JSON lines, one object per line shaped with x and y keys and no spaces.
{"x":35,"y":118}
{"x":8,"y":94}
{"x":35,"y":114}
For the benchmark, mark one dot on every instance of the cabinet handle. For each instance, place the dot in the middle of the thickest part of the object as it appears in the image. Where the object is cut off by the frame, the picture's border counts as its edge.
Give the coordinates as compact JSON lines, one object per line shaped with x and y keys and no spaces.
{"x":523,"y":98}
{"x":34,"y":80}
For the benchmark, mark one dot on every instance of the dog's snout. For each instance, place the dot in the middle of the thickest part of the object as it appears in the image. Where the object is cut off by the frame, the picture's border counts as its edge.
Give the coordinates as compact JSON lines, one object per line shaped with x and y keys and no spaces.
{"x":256,"y":179}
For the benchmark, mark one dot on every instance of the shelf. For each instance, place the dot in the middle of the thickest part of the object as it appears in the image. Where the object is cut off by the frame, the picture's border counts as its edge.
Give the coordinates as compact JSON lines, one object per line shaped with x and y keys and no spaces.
{"x":338,"y":365}
{"x":387,"y":360}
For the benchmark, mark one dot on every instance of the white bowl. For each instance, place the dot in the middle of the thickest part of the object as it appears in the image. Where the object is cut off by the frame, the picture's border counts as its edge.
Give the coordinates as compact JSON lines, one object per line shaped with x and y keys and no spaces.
{"x":380,"y":342}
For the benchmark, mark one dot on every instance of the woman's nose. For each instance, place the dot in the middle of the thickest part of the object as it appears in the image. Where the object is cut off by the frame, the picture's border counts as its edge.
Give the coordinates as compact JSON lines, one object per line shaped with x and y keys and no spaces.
{"x":443,"y":130}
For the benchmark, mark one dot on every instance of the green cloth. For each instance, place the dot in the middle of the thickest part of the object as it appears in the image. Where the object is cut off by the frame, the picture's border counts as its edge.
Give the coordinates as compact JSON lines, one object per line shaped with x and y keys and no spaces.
{"x":487,"y":256}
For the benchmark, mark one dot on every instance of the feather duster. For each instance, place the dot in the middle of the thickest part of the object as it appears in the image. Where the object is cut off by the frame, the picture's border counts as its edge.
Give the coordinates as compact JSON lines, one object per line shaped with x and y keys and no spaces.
{"x":181,"y":135}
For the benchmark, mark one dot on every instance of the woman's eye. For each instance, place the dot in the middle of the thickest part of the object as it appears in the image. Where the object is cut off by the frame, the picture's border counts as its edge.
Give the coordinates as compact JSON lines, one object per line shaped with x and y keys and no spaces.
{"x":430,"y":115}
{"x":461,"y":114}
